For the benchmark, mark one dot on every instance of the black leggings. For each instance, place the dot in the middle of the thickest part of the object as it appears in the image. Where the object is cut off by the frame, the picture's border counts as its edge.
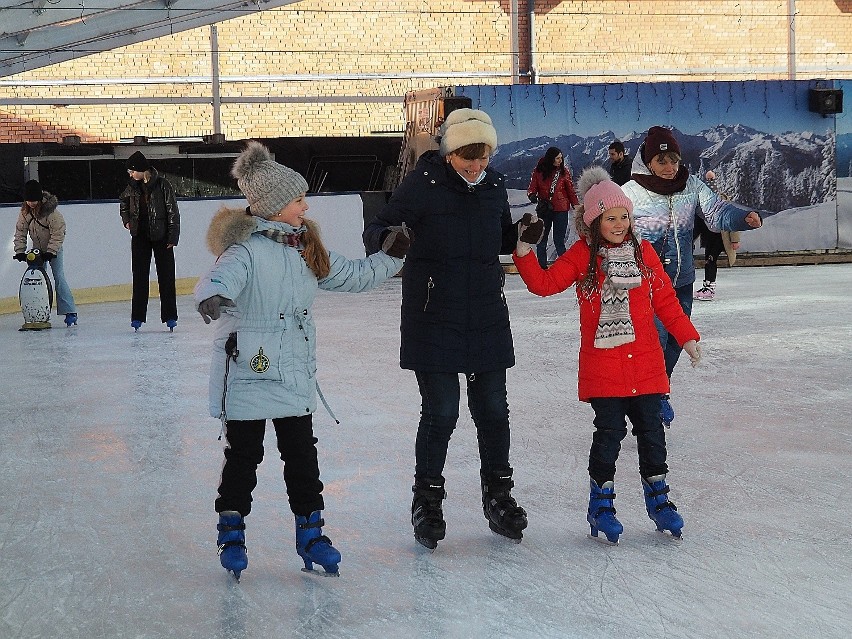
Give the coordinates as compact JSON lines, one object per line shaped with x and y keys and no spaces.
{"x":713,"y":247}
{"x":244,"y":452}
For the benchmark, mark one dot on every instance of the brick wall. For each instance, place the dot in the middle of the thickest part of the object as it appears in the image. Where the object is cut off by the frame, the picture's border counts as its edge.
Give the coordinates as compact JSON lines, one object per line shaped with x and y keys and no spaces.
{"x":376,"y":48}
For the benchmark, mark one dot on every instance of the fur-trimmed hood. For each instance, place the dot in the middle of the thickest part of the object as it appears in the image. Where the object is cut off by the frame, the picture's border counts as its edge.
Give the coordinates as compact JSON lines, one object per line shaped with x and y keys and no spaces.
{"x":234,"y":226}
{"x":48,"y":205}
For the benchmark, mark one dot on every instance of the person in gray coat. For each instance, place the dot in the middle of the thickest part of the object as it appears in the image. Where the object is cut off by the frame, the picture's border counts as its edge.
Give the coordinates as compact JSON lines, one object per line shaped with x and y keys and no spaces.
{"x":270,"y":263}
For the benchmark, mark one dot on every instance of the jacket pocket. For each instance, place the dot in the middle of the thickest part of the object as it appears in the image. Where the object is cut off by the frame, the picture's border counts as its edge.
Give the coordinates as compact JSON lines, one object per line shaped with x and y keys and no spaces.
{"x":259,"y":356}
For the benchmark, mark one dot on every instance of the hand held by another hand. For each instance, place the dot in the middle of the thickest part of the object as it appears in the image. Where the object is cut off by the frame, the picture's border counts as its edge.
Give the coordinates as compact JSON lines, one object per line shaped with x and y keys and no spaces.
{"x":753,"y":220}
{"x":397,"y":241}
{"x":694,"y":351}
{"x":209,"y":309}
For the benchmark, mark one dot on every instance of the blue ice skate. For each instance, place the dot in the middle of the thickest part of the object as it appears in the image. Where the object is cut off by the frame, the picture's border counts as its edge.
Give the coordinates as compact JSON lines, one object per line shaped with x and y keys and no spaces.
{"x":661,"y":511}
{"x":314,"y":547}
{"x":70,"y":319}
{"x":232,"y":542}
{"x":601,"y":515}
{"x":666,"y":411}
{"x":172,"y":323}
{"x":136,"y":324}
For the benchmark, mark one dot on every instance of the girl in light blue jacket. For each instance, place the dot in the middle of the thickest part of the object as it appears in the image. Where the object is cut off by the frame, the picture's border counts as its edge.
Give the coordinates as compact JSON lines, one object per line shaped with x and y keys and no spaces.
{"x":270,"y":263}
{"x":666,"y":199}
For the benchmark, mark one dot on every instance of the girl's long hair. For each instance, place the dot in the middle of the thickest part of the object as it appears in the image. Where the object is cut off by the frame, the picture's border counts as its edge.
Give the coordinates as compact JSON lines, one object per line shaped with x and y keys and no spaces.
{"x":589,"y":284}
{"x":315,"y":253}
{"x":545,"y":164}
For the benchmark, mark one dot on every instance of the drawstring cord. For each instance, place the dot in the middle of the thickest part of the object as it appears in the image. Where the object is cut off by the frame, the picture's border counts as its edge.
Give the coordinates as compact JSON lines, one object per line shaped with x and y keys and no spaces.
{"x":231,"y":352}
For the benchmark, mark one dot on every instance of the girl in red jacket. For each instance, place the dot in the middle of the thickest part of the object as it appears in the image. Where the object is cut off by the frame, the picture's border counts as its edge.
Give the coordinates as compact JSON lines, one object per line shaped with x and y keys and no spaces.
{"x":552,"y":191}
{"x":621,"y":286}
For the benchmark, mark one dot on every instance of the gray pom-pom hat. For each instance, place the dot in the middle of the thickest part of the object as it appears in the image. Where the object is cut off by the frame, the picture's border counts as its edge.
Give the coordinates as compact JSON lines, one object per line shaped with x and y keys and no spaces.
{"x":267,"y":185}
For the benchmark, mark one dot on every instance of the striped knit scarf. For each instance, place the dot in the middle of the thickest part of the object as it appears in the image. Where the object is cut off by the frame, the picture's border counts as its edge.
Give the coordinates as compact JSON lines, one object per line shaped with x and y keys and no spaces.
{"x":290,"y":239}
{"x":622,"y":274}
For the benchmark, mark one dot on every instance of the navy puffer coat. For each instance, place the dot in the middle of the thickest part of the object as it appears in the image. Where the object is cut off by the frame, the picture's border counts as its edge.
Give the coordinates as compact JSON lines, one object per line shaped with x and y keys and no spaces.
{"x":454,"y":313}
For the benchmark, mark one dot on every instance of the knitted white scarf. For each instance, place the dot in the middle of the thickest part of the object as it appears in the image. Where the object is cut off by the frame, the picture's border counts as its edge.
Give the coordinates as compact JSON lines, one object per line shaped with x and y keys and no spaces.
{"x":621,"y":274}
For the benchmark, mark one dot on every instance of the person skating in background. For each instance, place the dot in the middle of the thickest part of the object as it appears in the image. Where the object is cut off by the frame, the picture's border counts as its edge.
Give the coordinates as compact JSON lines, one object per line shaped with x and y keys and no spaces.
{"x":666,"y":200}
{"x":552,"y":191}
{"x":621,"y":286}
{"x":714,"y":244}
{"x":41,"y":220}
{"x":149,"y":210}
{"x":454,"y":315}
{"x":619,"y":163}
{"x":270,"y":263}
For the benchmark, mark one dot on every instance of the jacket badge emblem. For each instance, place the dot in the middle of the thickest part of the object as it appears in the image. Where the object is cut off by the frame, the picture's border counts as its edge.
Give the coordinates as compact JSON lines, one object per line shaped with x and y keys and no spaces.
{"x":260,"y":362}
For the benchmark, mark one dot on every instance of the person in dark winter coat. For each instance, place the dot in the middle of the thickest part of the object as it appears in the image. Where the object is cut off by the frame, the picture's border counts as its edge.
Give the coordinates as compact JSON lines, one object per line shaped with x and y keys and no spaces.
{"x":619,"y":163}
{"x":620,"y":286}
{"x":149,"y":211}
{"x":41,"y":220}
{"x":270,"y":261}
{"x":454,"y":315}
{"x":552,"y":191}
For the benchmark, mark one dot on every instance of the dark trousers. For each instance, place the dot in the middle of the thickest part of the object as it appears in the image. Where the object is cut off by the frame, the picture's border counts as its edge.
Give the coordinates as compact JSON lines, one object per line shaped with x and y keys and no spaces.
{"x":611,"y":427}
{"x":141,"y":249}
{"x":244,"y":452}
{"x":713,"y":247}
{"x":486,"y":398}
{"x":559,"y":221}
{"x":671,"y":349}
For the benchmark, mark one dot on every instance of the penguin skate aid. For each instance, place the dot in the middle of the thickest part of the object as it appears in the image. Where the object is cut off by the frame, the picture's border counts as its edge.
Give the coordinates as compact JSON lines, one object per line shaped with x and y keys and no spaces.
{"x":260,"y":367}
{"x":620,"y":286}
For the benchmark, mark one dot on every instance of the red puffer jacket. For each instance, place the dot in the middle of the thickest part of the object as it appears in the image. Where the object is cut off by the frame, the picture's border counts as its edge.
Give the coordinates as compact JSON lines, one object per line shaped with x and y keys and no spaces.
{"x":631,"y":369}
{"x":564,"y":197}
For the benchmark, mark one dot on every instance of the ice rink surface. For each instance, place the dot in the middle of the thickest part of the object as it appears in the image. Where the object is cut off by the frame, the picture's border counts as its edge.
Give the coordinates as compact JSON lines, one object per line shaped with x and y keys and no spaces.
{"x":109,"y":465}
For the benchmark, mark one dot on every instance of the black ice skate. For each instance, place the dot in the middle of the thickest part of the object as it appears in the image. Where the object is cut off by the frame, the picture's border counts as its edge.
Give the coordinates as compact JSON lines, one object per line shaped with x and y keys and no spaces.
{"x":427,"y":516}
{"x":501,"y":510}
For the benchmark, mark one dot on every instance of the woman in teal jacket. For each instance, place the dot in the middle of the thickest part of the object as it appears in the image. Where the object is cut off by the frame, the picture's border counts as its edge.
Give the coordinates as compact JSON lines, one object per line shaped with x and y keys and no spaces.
{"x":270,"y":263}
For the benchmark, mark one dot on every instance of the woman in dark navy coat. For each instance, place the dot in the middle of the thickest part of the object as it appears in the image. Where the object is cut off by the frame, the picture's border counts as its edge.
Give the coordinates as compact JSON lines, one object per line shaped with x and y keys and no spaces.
{"x":454,"y":314}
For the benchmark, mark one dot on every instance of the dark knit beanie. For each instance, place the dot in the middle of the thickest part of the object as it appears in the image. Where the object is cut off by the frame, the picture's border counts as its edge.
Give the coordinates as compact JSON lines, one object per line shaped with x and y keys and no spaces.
{"x":138,"y":162}
{"x":659,"y":140}
{"x":32,"y":191}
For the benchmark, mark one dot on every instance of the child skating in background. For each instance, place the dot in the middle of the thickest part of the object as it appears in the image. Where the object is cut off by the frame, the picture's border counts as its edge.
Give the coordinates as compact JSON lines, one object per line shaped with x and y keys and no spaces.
{"x":714,"y":244}
{"x":621,"y":286}
{"x":270,"y":263}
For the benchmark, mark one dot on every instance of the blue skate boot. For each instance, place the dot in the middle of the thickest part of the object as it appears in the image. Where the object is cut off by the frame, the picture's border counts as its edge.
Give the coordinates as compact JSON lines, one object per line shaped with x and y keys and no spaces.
{"x":172,"y":323}
{"x":661,"y":511}
{"x":232,"y":542}
{"x":136,"y":325}
{"x":666,"y":411}
{"x":314,"y":547}
{"x":601,"y":515}
{"x":70,"y":319}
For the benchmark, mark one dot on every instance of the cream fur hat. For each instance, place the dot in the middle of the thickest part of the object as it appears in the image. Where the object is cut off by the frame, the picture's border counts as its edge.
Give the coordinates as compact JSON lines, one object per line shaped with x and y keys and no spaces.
{"x":267,"y":185}
{"x":466,"y":126}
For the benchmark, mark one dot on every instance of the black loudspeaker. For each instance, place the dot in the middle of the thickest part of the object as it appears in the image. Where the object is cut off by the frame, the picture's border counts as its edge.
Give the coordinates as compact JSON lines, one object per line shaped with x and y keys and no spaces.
{"x":461,"y":102}
{"x":825,"y":101}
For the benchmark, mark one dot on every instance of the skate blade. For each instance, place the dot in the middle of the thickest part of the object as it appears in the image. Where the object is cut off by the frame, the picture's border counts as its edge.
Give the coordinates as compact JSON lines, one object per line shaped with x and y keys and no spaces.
{"x":514,"y":540}
{"x":428,"y":544}
{"x":671,"y":537}
{"x":322,"y":573}
{"x":602,"y":540}
{"x":235,"y":574}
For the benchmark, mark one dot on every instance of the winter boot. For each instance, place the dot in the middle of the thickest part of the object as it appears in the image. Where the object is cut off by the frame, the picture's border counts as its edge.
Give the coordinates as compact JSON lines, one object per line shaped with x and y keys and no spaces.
{"x":666,"y":411}
{"x":661,"y":511}
{"x":706,"y":293}
{"x":171,"y":324}
{"x":232,"y":542}
{"x":427,"y":516}
{"x":504,"y":515}
{"x":136,"y":324}
{"x":70,"y":319}
{"x":314,"y":547}
{"x":601,"y":515}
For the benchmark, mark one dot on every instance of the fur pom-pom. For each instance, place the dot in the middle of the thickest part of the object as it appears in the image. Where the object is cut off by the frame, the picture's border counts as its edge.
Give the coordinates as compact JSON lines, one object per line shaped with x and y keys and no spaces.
{"x":247,"y":162}
{"x":591,"y":176}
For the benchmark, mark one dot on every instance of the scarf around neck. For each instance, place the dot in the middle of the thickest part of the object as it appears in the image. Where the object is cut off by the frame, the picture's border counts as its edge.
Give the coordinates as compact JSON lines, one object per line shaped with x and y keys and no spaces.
{"x":282,"y":237}
{"x":661,"y":186}
{"x":621,"y":274}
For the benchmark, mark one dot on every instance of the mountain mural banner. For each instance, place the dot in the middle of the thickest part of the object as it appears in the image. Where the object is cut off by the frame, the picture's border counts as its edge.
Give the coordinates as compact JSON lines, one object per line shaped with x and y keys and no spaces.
{"x":767,"y":149}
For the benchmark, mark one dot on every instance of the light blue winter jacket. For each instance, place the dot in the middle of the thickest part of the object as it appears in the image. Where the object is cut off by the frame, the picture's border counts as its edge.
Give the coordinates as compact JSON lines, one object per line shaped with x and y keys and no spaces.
{"x":667,"y":221}
{"x":274,"y":374}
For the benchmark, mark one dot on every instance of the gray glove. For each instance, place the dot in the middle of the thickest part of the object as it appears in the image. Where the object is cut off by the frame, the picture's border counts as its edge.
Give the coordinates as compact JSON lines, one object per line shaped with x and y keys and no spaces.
{"x":209,"y":308}
{"x":397,"y":241}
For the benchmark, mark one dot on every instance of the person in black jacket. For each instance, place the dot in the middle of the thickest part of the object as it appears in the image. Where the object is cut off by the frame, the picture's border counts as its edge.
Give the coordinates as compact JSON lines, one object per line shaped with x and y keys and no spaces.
{"x":619,"y":163}
{"x":454,"y":314}
{"x":149,"y":211}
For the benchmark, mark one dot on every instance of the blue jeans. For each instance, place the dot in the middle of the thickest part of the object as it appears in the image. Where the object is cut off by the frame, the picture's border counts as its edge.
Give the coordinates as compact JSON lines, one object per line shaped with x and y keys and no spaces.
{"x":64,"y":298}
{"x":671,"y":349}
{"x":611,"y":427}
{"x":559,"y":221}
{"x":486,"y":398}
